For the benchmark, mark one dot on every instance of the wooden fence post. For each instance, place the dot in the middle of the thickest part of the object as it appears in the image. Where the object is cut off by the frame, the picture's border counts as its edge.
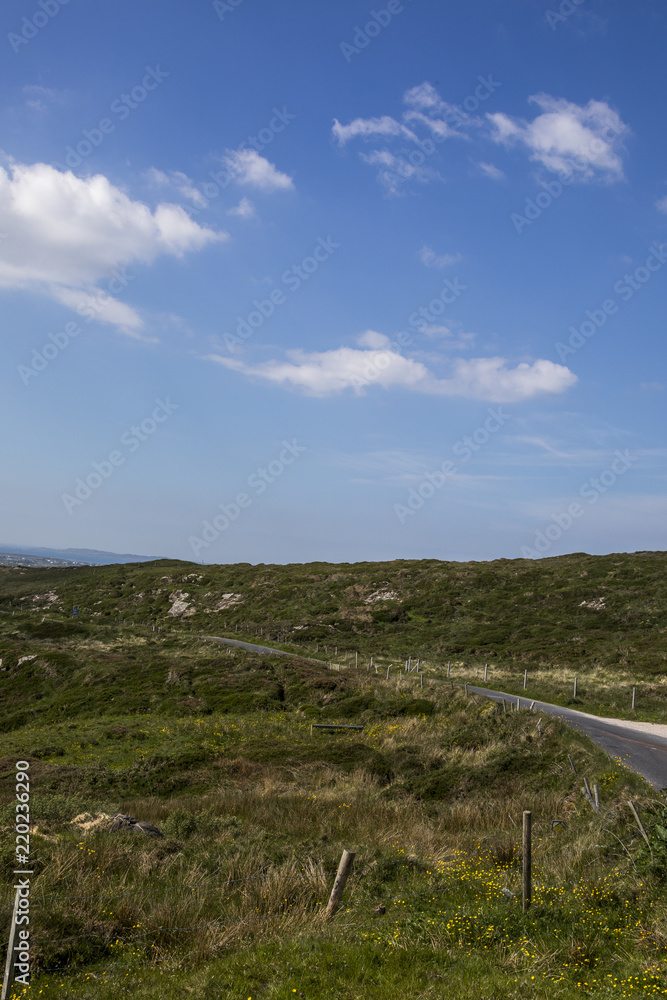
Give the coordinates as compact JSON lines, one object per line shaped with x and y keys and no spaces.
{"x":593,"y":801}
{"x":527,"y":859}
{"x":571,"y":763}
{"x":10,"y":968}
{"x":339,"y":883}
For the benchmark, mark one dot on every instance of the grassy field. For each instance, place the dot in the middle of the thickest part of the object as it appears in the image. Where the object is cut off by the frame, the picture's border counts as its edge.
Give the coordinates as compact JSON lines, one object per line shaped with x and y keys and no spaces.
{"x":214,"y":747}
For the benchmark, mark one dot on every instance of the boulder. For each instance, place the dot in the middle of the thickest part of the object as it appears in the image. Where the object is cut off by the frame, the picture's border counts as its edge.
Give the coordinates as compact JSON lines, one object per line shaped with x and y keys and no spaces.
{"x":121,"y":821}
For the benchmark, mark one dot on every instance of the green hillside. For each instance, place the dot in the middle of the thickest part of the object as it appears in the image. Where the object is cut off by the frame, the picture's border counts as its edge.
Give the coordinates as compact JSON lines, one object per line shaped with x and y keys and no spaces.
{"x":610,"y":610}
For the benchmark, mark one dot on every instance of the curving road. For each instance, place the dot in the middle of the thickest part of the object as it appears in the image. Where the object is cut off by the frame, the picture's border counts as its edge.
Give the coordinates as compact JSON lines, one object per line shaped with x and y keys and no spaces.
{"x":254,"y":648}
{"x":641,"y":746}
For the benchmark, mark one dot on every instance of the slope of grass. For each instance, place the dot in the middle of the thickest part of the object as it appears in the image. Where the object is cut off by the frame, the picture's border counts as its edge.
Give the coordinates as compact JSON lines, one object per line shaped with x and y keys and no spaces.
{"x":255,"y":812}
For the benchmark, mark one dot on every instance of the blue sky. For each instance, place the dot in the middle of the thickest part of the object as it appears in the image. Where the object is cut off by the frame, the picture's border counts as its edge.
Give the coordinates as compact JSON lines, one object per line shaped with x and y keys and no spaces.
{"x":333,"y":281}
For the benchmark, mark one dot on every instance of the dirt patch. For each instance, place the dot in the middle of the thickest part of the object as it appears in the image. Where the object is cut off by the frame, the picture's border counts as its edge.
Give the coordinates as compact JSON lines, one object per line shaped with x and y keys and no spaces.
{"x":87,"y":821}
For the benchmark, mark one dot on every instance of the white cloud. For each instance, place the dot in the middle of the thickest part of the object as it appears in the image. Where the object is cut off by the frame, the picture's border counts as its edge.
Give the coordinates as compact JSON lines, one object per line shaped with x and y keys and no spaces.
{"x":327,"y":373}
{"x":489,"y":170}
{"x":104,"y":307}
{"x":430,"y":258}
{"x":178,"y":182}
{"x":365,"y":127}
{"x":661,"y":204}
{"x":426,"y":97}
{"x":245,"y":209}
{"x":371,"y":338}
{"x":568,"y":138}
{"x":246,"y":166}
{"x":440,"y":129}
{"x":489,"y":378}
{"x":394,"y":169}
{"x":39,"y":98}
{"x":65,"y":234}
{"x":451,"y":340}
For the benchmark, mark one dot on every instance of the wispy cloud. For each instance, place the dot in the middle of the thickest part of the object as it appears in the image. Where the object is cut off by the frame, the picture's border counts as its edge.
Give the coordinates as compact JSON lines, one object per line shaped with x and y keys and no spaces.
{"x":179,"y":183}
{"x":244,"y":210}
{"x":430,"y":258}
{"x":423,"y":110}
{"x":248,"y":167}
{"x":394,"y":169}
{"x":489,"y":170}
{"x":369,"y":127}
{"x":39,"y":98}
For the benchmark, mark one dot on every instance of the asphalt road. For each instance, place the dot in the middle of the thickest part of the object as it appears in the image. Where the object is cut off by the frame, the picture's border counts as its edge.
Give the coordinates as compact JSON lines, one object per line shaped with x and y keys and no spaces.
{"x":253,"y":648}
{"x":643,"y":752}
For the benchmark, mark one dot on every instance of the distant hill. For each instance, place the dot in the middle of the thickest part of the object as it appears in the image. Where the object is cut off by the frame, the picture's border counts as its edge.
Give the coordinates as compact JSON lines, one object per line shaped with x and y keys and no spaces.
{"x":36,"y":562}
{"x":14,"y":555}
{"x":609,"y":611}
